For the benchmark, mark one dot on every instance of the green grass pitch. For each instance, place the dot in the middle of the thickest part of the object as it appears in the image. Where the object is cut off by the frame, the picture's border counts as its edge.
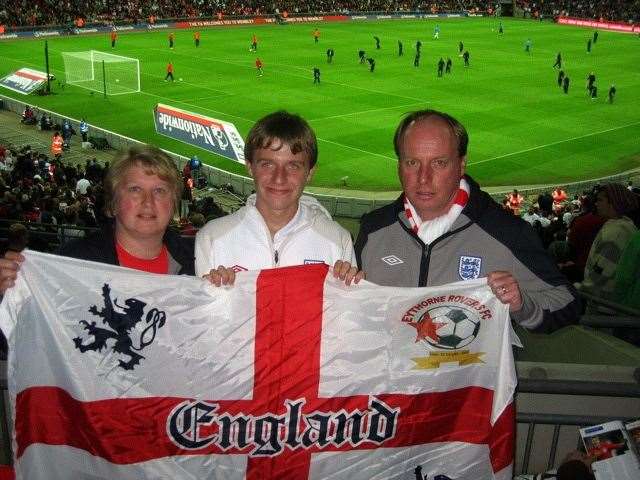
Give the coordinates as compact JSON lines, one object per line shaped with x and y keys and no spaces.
{"x":523,"y":129}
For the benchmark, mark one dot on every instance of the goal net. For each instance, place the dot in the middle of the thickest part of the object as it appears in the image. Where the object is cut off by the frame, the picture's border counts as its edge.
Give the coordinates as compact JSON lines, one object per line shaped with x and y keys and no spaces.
{"x":95,"y":70}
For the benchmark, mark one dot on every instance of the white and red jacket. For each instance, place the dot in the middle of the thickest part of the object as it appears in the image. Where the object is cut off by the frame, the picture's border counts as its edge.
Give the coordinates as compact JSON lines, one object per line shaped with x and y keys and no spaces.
{"x":242,"y":240}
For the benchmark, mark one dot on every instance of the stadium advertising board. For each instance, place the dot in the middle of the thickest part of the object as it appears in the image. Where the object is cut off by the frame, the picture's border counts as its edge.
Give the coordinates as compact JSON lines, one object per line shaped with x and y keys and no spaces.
{"x":24,"y":81}
{"x":305,"y":19}
{"x":335,"y":18}
{"x":82,"y":31}
{"x":258,"y":20}
{"x":619,"y":27}
{"x":49,"y":33}
{"x":213,"y":135}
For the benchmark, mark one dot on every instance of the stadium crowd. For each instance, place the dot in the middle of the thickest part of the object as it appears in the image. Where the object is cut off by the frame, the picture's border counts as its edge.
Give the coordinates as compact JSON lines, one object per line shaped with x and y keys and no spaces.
{"x":19,"y":13}
{"x":619,"y":10}
{"x":593,"y":237}
{"x":49,"y":12}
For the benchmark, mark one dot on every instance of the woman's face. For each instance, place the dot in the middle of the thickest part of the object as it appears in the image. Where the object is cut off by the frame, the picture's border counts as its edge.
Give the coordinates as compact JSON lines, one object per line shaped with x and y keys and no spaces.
{"x":144,"y":204}
{"x":604,"y":207}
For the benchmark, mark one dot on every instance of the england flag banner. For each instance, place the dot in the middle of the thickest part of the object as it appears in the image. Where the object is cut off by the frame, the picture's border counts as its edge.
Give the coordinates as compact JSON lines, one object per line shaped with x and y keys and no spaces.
{"x":24,"y":81}
{"x":210,"y":134}
{"x":287,"y":375}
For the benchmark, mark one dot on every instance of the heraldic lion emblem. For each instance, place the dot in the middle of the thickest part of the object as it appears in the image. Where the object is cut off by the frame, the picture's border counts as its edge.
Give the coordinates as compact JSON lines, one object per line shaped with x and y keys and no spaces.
{"x":121,"y":321}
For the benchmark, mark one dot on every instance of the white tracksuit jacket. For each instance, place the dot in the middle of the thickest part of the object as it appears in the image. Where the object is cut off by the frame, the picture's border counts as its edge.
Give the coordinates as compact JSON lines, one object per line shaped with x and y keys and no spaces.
{"x":242,"y":240}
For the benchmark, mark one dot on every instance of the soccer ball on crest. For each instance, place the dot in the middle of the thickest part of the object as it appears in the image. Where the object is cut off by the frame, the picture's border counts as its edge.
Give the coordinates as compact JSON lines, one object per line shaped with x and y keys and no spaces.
{"x":458,"y":328}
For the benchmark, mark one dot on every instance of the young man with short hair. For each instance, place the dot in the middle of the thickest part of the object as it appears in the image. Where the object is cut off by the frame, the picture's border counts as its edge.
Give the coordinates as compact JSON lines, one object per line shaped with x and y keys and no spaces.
{"x":279,"y":226}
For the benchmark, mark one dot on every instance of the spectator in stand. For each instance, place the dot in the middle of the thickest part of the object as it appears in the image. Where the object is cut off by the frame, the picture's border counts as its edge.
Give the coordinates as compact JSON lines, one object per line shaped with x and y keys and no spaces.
{"x":17,"y":238}
{"x":47,"y":213}
{"x":210,"y":209}
{"x":67,"y":132}
{"x":532,"y":216}
{"x":187,"y":195}
{"x":627,"y":286}
{"x":56,"y":145}
{"x":570,"y":211}
{"x":45,"y":122}
{"x":68,"y":232}
{"x":545,"y":204}
{"x":559,"y":248}
{"x":94,"y":171}
{"x":195,"y":222}
{"x":30,"y":213}
{"x":576,"y":202}
{"x":28,"y":117}
{"x":559,"y":197}
{"x":575,"y":466}
{"x":614,"y":203}
{"x":84,"y":130}
{"x":82,"y":185}
{"x":515,"y":202}
{"x":6,"y":160}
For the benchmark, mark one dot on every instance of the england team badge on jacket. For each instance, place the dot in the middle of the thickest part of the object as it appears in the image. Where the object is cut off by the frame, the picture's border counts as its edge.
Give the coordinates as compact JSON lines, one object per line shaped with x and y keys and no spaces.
{"x":469,"y":267}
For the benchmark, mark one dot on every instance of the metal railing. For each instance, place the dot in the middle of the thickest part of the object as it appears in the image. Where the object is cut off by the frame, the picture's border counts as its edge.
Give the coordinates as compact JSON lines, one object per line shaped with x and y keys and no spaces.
{"x":558,"y":421}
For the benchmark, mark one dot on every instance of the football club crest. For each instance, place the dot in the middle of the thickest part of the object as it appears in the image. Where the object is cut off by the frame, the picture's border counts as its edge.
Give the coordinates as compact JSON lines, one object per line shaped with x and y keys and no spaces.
{"x":469,"y":267}
{"x":445,"y":325}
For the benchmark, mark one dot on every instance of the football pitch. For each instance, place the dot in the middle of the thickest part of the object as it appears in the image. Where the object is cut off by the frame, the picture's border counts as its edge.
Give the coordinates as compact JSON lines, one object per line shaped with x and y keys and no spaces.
{"x":523,"y":129}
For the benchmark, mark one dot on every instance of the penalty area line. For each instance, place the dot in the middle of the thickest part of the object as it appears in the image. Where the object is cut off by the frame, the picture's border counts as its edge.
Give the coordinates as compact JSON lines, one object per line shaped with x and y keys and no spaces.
{"x":395,"y":107}
{"x":539,"y":147}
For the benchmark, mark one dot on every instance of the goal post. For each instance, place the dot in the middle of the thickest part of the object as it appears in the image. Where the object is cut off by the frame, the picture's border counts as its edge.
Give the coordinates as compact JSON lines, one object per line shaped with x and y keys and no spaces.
{"x":102,"y":72}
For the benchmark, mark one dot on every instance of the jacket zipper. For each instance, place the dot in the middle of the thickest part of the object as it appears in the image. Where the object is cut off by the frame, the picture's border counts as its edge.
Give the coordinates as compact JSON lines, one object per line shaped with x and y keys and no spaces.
{"x":425,"y":257}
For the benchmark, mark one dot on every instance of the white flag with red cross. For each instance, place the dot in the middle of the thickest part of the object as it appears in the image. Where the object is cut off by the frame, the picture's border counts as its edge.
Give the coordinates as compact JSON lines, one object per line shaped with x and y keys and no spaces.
{"x":288,"y":375}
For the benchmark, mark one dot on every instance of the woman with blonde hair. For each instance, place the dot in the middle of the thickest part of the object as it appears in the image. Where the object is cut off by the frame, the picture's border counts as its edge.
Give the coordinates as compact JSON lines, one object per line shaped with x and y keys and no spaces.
{"x":142,"y":188}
